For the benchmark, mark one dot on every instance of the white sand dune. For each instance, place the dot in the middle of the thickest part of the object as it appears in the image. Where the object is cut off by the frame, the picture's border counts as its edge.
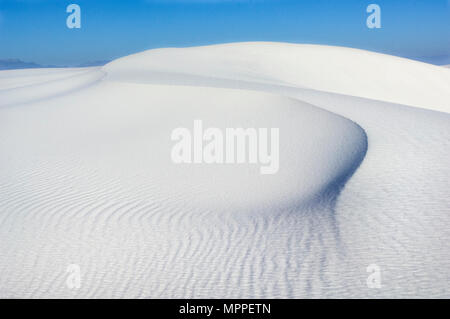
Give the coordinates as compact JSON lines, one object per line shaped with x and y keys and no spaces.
{"x":86,"y":176}
{"x":26,"y":86}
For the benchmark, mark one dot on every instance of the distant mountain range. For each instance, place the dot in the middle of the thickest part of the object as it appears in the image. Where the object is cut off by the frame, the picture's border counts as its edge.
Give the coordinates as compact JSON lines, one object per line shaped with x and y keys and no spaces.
{"x":10,"y":64}
{"x":437,"y":60}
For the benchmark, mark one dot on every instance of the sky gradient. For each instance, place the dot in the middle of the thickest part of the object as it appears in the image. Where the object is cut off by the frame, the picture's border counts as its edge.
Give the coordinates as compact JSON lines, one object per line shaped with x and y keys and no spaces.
{"x":36,"y":31}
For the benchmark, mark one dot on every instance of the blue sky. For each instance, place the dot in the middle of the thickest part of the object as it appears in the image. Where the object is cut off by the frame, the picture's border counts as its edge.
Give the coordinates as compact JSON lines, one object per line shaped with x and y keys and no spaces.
{"x":35,"y":30}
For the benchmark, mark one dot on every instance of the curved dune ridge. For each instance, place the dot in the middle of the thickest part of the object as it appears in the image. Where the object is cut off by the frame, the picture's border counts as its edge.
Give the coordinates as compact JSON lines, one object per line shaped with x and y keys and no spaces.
{"x":27,"y":86}
{"x":363,"y":176}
